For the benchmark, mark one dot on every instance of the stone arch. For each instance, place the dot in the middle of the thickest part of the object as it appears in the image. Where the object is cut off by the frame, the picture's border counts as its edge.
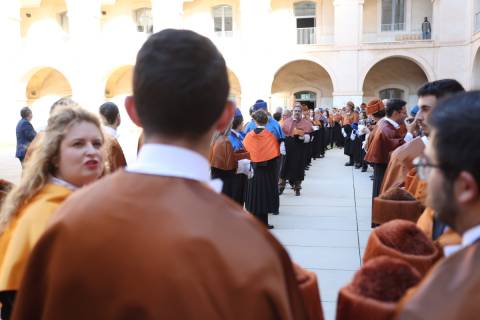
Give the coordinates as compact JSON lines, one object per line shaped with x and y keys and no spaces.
{"x":301,"y":75}
{"x":394,"y":72}
{"x":44,"y":19}
{"x":43,"y":86}
{"x":119,"y":82}
{"x":235,"y":88}
{"x":421,"y":63}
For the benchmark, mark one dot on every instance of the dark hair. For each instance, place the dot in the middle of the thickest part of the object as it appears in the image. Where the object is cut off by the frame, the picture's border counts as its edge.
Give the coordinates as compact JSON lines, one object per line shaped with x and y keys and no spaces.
{"x":394,"y":105}
{"x":277,"y":116}
{"x":109,"y":112}
{"x":456,"y":139}
{"x":440,"y":88}
{"x":25,"y":112}
{"x":179,"y":72}
{"x":379,"y":114}
{"x":260,"y":117}
{"x":236,"y":122}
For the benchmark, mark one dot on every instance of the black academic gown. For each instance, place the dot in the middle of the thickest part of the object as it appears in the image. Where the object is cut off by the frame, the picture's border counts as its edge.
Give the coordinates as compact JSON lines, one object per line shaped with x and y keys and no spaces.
{"x":293,"y":169}
{"x":262,"y":195}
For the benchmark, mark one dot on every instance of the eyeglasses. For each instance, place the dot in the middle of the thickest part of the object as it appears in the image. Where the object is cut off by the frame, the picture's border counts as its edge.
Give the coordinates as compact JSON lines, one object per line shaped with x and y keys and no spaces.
{"x":424,"y":167}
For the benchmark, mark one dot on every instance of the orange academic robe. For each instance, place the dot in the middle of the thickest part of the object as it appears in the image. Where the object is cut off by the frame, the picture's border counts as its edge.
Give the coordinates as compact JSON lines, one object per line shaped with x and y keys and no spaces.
{"x":221,"y":154}
{"x":116,"y":158}
{"x":450,"y":291}
{"x":166,"y":248}
{"x":401,"y":163}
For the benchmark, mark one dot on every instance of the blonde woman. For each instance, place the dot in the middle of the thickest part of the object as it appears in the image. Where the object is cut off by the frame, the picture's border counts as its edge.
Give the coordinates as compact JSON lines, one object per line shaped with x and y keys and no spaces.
{"x":69,"y":156}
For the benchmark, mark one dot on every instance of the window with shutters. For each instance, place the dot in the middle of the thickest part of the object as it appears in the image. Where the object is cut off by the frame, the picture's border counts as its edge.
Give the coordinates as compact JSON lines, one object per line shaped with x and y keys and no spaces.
{"x":392,"y":93}
{"x":477,"y":16}
{"x":393,"y":15}
{"x":305,"y":15}
{"x":223,"y":20}
{"x":144,"y":20}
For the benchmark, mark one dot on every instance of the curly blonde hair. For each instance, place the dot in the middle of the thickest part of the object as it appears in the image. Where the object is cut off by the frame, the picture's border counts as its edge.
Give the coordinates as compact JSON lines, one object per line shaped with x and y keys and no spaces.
{"x":40,"y":166}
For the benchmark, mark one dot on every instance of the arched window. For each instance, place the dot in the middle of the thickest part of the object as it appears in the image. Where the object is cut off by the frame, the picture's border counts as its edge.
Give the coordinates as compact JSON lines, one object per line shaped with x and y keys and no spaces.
{"x":392,"y":93}
{"x":223,"y":20}
{"x":305,"y":15}
{"x":144,"y":20}
{"x":393,"y":15}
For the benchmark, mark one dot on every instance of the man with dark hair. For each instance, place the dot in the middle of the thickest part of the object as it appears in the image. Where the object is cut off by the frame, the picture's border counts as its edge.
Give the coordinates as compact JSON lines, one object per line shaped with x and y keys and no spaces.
{"x":451,"y":165}
{"x":401,"y":159}
{"x":111,"y":117}
{"x":386,"y":138}
{"x":25,"y":133}
{"x":277,"y":116}
{"x":162,"y":243}
{"x":111,"y":121}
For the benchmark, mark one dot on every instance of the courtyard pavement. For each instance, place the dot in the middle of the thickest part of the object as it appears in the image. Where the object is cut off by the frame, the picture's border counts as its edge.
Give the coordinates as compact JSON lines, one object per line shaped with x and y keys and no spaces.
{"x":324,"y":230}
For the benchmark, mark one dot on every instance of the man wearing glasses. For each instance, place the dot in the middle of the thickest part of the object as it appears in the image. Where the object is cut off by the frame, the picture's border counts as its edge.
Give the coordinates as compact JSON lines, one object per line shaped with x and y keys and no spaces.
{"x":451,"y":166}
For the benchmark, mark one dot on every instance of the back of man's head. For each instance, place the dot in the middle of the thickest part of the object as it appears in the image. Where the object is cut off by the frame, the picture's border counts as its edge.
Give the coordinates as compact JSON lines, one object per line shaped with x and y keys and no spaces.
{"x":180,"y":84}
{"x":394,"y":105}
{"x":25,"y":112}
{"x":109,"y":111}
{"x":454,"y":123}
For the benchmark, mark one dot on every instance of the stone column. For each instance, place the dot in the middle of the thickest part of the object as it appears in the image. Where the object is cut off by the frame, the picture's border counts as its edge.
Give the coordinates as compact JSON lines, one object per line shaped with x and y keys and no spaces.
{"x":9,"y":77}
{"x":340,"y":99}
{"x":167,"y":14}
{"x":255,"y":50}
{"x":84,"y":38}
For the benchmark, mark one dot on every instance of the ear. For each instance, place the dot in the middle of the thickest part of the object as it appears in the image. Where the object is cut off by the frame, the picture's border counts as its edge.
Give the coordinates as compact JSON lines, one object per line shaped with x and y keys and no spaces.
{"x":466,"y":188}
{"x":226,"y":117}
{"x":132,"y":110}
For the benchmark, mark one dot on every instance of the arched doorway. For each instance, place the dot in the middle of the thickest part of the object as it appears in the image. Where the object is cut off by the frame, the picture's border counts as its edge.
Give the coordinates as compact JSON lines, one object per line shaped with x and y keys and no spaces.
{"x":44,"y":87}
{"x":302,"y":80}
{"x":235,"y":88}
{"x":395,"y":77}
{"x":119,"y":85}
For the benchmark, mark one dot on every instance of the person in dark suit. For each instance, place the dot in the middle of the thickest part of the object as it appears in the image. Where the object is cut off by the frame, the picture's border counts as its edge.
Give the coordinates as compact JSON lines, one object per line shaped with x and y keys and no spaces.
{"x":25,"y":133}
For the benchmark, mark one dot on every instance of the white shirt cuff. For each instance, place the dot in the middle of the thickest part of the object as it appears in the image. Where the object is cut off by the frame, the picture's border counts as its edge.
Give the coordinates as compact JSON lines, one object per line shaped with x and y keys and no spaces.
{"x":408,"y":137}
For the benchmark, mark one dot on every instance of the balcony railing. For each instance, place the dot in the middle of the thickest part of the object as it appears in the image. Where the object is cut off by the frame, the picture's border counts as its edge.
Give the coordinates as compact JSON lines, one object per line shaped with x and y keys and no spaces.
{"x":393,"y":27}
{"x":394,"y":37}
{"x":224,"y":34}
{"x":477,"y":22}
{"x":313,"y":36}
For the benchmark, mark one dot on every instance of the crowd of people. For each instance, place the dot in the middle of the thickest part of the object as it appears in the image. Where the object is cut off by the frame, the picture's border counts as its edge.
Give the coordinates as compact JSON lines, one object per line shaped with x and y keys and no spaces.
{"x":83,"y":235}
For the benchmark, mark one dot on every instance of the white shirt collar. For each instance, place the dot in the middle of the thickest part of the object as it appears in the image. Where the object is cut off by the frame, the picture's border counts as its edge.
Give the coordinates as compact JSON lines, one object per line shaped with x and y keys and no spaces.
{"x":62,"y":183}
{"x":393,"y":123}
{"x":469,"y":238}
{"x":111,"y":131}
{"x":173,"y":161}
